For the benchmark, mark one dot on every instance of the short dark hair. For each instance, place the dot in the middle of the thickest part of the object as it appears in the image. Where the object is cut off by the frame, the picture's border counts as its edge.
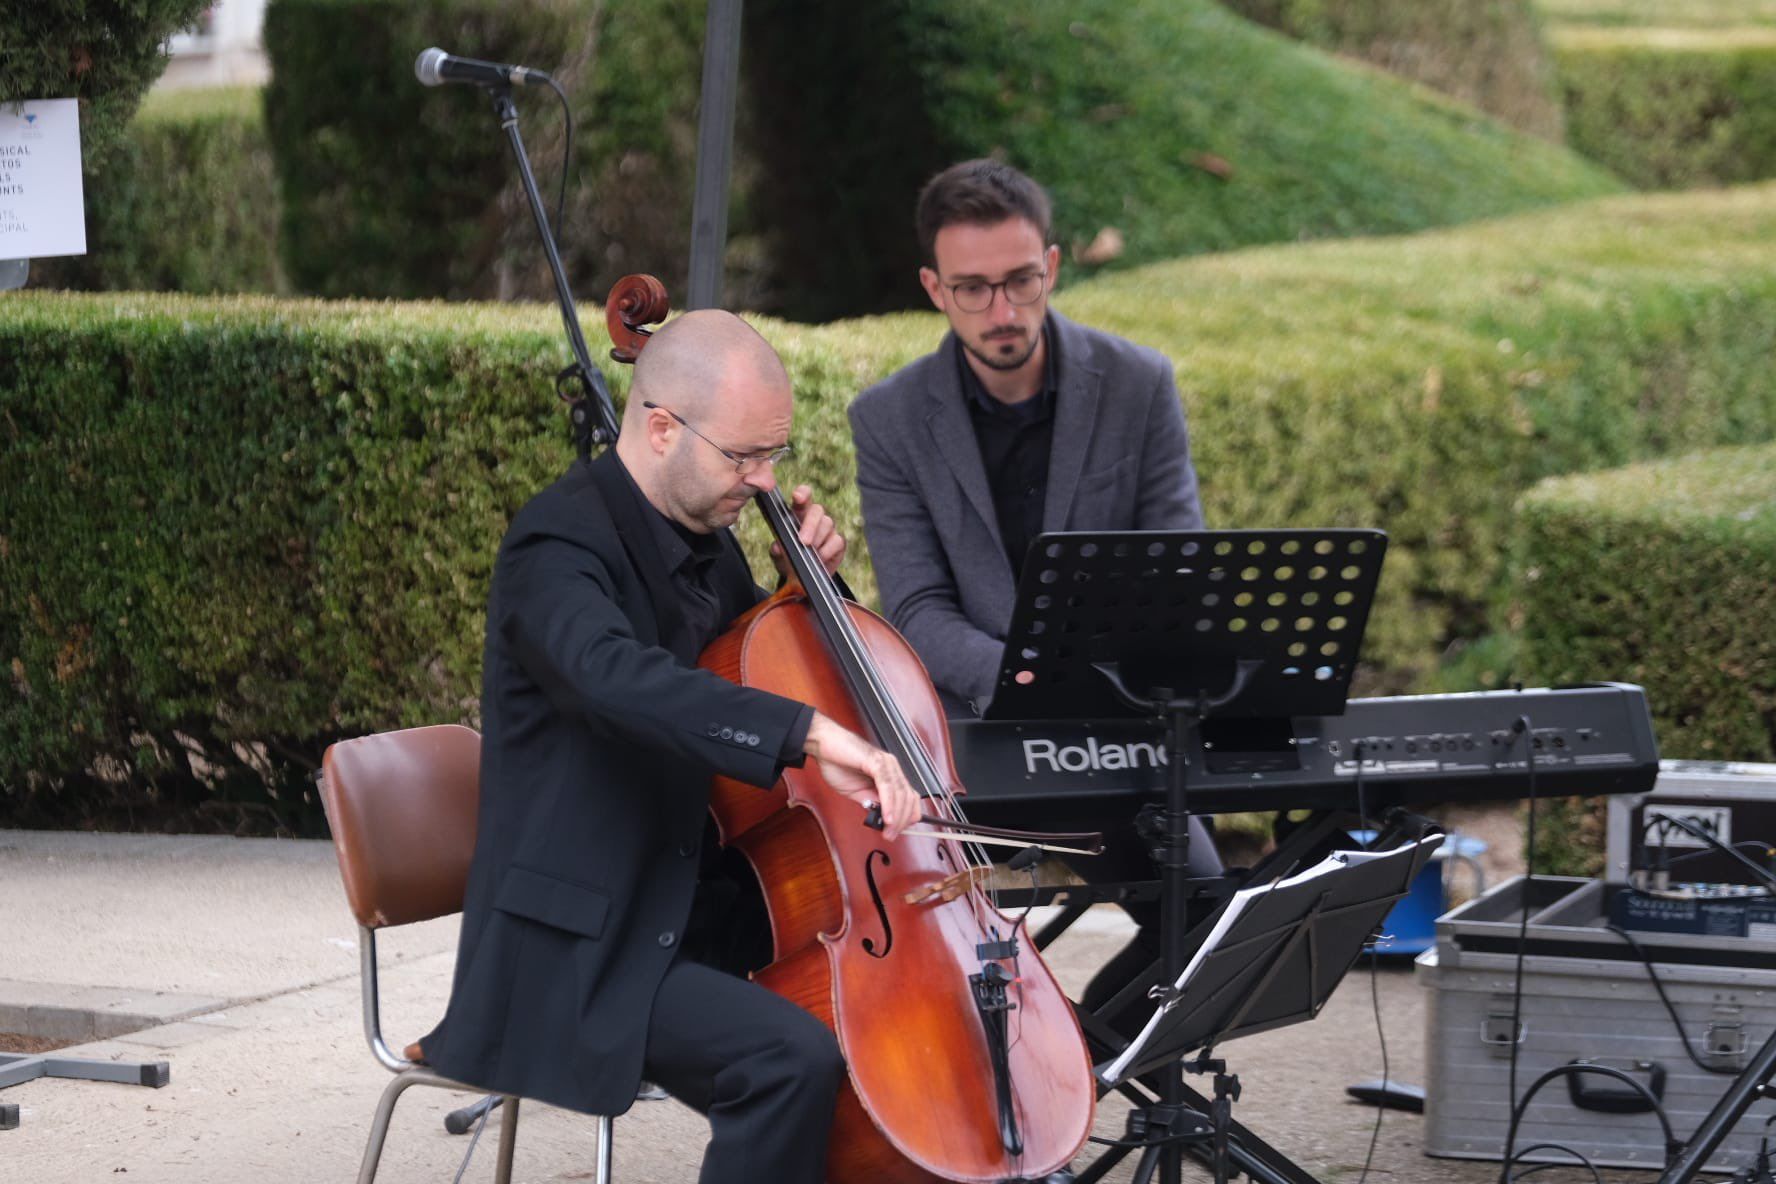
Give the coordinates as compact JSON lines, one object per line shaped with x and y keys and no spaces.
{"x":978,"y":193}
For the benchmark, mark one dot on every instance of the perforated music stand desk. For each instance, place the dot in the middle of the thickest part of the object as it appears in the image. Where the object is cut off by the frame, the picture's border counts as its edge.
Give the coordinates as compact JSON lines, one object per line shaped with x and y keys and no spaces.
{"x":1181,"y":610}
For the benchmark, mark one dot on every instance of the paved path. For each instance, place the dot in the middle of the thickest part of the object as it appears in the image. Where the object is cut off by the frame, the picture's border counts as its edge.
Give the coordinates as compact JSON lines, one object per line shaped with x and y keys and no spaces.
{"x":237,"y":960}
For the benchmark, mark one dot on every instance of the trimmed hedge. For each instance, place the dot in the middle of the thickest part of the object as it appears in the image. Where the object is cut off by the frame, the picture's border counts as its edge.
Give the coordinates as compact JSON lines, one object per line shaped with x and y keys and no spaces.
{"x":394,"y":190}
{"x":188,"y":202}
{"x":1671,"y":109}
{"x":1488,"y":53}
{"x":247,"y":522}
{"x":1180,"y":125}
{"x":272,"y":522}
{"x":1664,"y":574}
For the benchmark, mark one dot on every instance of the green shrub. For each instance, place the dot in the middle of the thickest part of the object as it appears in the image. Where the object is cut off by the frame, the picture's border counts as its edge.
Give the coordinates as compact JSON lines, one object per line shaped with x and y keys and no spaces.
{"x":1174,"y":122}
{"x":1487,"y":53}
{"x":1663,"y":574}
{"x":245,"y":522}
{"x":1421,"y":384}
{"x":254,"y":521}
{"x":187,"y":203}
{"x":395,"y":190}
{"x":105,"y":55}
{"x":1668,"y":110}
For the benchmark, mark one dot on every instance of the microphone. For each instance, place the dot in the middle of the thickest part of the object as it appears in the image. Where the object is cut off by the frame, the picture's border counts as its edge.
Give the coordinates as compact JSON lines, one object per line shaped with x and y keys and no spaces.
{"x":434,"y":67}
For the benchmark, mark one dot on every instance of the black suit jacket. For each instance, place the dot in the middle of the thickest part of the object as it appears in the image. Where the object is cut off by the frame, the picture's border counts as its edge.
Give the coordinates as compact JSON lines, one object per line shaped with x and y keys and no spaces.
{"x":598,"y":745}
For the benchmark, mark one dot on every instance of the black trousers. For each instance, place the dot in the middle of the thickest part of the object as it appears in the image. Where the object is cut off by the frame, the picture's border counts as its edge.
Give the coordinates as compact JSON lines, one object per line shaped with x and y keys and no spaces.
{"x":765,"y":1073}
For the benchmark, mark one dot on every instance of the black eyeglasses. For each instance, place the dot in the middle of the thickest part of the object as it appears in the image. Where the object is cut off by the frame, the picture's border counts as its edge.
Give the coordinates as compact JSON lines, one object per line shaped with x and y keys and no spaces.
{"x":977,"y":295}
{"x":744,"y":464}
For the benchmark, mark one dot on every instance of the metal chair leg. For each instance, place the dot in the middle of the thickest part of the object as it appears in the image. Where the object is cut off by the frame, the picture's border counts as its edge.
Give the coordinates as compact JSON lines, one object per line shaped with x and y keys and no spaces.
{"x":379,"y":1125}
{"x":385,"y":1109}
{"x":502,"y":1172}
{"x":604,"y":1149}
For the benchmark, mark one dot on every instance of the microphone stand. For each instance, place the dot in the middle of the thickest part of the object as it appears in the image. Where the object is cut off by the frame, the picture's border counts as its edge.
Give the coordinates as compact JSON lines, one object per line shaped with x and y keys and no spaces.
{"x":593,"y":413}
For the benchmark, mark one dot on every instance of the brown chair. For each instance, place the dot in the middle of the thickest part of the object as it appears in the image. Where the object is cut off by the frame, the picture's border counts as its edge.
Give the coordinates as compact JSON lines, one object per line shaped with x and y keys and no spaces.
{"x":402,"y":809}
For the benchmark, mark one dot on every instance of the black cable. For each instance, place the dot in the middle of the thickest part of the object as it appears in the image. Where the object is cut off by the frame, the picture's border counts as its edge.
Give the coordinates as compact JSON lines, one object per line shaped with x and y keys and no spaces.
{"x":1543,"y":1167}
{"x":566,"y":155}
{"x":1666,"y":1000}
{"x":1523,"y":727}
{"x":1381,"y":1036}
{"x":1362,"y":806}
{"x":1667,"y":821}
{"x":1746,"y":844}
{"x":1573,"y":1070}
{"x":469,"y":1151}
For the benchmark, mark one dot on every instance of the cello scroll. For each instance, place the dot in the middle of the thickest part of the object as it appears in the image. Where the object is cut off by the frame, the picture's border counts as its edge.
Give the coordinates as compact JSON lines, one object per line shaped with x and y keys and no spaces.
{"x":635,"y":301}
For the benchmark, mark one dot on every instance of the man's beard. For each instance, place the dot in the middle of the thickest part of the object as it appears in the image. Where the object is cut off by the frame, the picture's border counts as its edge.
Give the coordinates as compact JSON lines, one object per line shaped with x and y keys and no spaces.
{"x":695,"y":503}
{"x":1000,"y":361}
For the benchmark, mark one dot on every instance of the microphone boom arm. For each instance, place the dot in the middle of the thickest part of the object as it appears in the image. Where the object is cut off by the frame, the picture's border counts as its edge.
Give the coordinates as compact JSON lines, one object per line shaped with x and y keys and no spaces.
{"x":594,"y":413}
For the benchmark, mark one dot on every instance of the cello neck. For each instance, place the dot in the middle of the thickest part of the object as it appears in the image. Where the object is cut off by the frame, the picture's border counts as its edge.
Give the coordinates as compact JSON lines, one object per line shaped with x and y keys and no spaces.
{"x":868,"y":686}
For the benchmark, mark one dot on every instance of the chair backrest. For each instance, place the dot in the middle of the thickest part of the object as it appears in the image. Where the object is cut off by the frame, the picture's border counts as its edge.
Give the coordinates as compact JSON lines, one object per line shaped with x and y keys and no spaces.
{"x":401,"y":806}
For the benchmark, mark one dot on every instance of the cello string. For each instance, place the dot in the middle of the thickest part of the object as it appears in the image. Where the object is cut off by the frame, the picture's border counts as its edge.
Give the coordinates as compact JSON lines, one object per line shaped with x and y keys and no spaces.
{"x":842,"y":633}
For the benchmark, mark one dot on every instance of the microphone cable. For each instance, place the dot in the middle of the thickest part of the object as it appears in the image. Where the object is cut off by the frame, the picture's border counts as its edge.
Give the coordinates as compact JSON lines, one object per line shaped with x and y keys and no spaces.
{"x":1374,"y":971}
{"x":566,"y":156}
{"x":1523,"y":727}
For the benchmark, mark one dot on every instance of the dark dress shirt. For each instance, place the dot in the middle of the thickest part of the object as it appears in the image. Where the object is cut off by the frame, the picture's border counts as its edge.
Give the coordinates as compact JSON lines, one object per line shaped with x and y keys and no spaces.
{"x":690,"y":560}
{"x":1015,"y":440}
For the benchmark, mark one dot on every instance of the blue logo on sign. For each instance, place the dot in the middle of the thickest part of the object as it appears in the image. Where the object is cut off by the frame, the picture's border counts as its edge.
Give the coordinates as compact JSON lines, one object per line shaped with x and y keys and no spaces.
{"x":31,"y":118}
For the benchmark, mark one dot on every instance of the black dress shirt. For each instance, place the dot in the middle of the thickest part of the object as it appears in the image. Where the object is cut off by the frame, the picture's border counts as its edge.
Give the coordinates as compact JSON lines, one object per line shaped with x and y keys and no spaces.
{"x":1015,"y":440}
{"x":690,"y":557}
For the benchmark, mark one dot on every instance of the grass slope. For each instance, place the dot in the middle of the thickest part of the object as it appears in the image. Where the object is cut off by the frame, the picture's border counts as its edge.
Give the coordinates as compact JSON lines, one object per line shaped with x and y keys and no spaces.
{"x":1123,"y":110}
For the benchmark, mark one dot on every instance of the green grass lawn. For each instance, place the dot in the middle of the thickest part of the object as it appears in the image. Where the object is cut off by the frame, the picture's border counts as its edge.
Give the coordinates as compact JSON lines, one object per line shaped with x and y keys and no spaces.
{"x":1666,"y":14}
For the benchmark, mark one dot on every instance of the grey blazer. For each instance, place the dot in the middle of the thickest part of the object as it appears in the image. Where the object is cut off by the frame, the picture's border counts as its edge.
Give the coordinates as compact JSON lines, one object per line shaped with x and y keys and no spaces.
{"x":1120,"y":461}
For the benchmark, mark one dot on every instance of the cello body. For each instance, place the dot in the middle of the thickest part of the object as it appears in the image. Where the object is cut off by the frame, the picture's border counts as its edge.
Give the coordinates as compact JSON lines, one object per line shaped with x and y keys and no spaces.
{"x":892,"y":978}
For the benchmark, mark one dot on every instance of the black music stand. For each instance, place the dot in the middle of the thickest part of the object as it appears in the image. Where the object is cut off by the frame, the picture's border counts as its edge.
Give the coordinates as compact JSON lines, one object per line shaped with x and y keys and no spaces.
{"x":1273,"y":956}
{"x":1185,"y":626}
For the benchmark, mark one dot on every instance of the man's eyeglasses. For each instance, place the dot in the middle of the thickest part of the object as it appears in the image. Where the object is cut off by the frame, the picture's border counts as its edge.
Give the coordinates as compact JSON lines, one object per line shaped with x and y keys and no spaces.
{"x":745,"y":464}
{"x":977,"y":295}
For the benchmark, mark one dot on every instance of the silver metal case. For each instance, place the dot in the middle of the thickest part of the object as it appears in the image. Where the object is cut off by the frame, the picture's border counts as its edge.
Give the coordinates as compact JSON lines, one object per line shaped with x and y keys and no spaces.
{"x":1586,"y":996}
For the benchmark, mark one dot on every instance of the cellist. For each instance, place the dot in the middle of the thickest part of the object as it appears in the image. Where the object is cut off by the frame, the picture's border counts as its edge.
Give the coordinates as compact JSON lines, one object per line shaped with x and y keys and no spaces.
{"x":582,"y":965}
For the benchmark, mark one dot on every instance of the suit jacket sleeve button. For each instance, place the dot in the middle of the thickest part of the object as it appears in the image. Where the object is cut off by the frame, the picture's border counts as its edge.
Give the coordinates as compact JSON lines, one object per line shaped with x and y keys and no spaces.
{"x":727,"y":733}
{"x":715,"y":729}
{"x":687,"y":849}
{"x":666,"y":939}
{"x":753,"y":739}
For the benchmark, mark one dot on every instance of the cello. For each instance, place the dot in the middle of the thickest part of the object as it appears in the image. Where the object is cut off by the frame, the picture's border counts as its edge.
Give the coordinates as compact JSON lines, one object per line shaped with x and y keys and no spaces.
{"x":965,"y":1061}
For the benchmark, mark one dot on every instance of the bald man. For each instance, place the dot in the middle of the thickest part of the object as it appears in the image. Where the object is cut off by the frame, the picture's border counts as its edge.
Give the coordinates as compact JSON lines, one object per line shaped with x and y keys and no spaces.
{"x":595,"y":913}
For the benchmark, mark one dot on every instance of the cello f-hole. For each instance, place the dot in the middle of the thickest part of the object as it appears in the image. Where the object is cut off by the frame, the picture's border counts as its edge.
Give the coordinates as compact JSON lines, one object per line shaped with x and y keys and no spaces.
{"x":869,"y":875}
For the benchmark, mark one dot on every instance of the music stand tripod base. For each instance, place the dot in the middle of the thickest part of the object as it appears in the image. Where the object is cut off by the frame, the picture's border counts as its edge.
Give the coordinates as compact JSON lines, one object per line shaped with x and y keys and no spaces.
{"x":17,"y":1068}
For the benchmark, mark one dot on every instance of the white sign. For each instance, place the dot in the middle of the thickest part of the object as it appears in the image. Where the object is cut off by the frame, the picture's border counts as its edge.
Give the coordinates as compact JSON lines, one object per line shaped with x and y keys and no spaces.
{"x":42,"y":209}
{"x":1714,"y":820}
